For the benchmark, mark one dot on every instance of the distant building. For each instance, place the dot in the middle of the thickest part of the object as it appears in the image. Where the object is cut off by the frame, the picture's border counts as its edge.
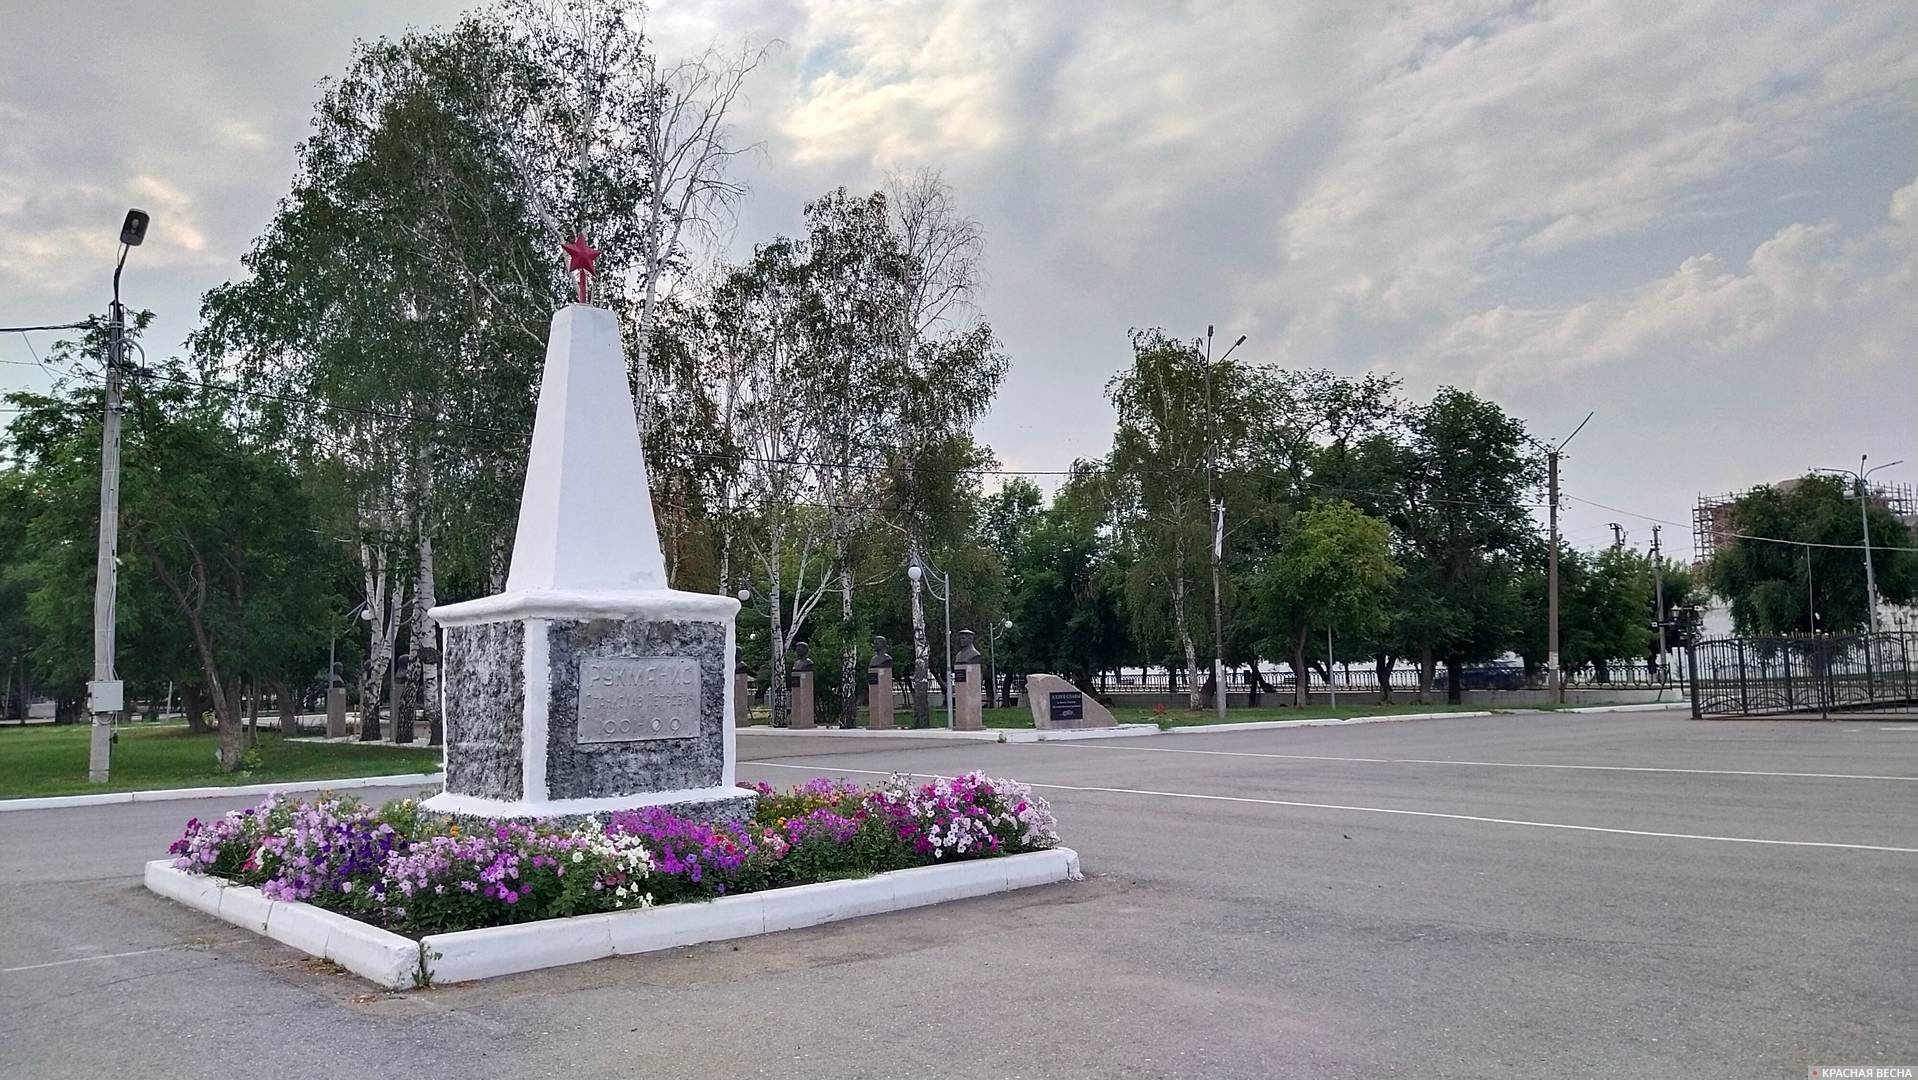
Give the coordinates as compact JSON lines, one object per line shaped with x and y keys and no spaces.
{"x":1711,"y":530}
{"x":1711,"y":517}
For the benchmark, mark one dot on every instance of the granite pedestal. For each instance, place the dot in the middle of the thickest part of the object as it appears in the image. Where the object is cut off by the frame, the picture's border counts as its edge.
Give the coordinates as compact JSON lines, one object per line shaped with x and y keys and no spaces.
{"x":967,"y":714}
{"x":879,"y":688}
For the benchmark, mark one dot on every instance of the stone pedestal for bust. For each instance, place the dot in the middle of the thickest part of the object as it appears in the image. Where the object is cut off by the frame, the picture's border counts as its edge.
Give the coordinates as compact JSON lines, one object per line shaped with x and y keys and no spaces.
{"x":799,"y":685}
{"x":1057,"y":703}
{"x":967,"y":706}
{"x":588,"y":686}
{"x":336,"y":712}
{"x":742,"y":694}
{"x":879,"y":688}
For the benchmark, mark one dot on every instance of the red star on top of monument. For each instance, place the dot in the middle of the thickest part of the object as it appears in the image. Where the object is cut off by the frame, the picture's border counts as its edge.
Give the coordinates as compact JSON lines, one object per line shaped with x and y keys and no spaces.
{"x":580,"y":256}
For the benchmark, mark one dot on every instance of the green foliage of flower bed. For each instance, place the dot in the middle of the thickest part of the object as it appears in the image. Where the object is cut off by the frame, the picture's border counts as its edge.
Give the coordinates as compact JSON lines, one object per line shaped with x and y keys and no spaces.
{"x":421,"y":874}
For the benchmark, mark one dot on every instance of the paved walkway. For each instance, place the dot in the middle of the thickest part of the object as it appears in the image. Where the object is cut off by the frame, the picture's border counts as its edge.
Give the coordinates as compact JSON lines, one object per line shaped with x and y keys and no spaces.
{"x":1521,"y":896}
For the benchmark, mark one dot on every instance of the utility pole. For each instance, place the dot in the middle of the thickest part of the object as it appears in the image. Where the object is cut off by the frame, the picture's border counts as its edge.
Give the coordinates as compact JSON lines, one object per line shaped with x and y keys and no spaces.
{"x":1658,"y":600}
{"x":1217,"y":505}
{"x":106,"y":694}
{"x":1555,"y":678}
{"x":1555,"y":681}
{"x":1811,"y":598}
{"x":1618,"y":534}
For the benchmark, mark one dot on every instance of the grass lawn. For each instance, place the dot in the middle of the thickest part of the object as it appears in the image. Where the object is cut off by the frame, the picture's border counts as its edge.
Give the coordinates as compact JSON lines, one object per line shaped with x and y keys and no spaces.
{"x":52,"y":760}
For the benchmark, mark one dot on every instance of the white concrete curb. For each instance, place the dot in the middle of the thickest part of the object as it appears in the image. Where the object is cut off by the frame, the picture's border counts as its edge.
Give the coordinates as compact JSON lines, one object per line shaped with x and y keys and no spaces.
{"x":1333,"y":721}
{"x":1324,"y":721}
{"x":992,"y":735}
{"x":1649,"y":706}
{"x":398,"y":962}
{"x":384,"y":957}
{"x":54,"y":802}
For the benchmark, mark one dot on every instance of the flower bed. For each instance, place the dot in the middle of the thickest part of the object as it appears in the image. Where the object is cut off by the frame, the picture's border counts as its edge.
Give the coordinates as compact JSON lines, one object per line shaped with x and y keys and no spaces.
{"x":421,"y":875}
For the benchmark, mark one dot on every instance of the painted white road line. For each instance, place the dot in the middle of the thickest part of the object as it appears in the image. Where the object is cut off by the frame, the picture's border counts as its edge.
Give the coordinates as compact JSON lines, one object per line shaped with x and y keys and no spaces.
{"x":1246,"y":799}
{"x":87,"y":959}
{"x":1506,"y":764}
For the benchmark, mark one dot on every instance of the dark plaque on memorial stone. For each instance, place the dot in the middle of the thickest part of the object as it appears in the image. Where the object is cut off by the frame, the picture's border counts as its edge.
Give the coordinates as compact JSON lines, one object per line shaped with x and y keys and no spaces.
{"x":1067,"y":705}
{"x":959,"y":673}
{"x":872,"y":678}
{"x":792,"y":680}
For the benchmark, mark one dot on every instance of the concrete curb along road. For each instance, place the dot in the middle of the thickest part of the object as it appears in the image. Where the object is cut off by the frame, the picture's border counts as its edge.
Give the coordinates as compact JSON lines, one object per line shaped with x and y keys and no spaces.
{"x":1026,"y":735}
{"x":1275,"y":725}
{"x":991,"y":735}
{"x":401,"y":963}
{"x":55,"y":802}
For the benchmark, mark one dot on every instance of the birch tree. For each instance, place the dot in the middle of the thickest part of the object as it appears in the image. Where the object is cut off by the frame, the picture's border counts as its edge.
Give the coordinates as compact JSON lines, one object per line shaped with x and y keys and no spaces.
{"x":948,"y":366}
{"x":1179,"y":415}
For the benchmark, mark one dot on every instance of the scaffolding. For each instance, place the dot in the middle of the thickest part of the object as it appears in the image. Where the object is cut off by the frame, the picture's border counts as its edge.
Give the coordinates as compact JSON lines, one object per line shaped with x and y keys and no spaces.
{"x":1711,"y":516}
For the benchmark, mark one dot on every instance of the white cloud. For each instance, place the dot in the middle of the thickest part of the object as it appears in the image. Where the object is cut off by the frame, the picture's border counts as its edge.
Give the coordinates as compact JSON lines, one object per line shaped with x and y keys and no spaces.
{"x":1518,"y":136}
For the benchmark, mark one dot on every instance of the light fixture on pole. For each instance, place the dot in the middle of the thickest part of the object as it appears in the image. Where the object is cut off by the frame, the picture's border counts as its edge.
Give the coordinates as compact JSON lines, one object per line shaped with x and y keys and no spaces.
{"x":920,"y":570}
{"x":332,"y":647}
{"x":106,"y":694}
{"x":1863,"y":476}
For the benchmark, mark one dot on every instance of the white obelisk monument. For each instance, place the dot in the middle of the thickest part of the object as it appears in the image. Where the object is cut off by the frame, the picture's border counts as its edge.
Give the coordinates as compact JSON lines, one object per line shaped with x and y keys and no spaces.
{"x":588,"y":685}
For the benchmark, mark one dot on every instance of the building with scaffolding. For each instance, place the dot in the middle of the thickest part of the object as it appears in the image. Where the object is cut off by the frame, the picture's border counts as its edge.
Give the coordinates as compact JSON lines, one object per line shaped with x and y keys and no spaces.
{"x":1711,"y":516}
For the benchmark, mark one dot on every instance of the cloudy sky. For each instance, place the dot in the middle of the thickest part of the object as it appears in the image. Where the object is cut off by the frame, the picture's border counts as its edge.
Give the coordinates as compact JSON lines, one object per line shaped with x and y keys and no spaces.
{"x":1699,"y":220}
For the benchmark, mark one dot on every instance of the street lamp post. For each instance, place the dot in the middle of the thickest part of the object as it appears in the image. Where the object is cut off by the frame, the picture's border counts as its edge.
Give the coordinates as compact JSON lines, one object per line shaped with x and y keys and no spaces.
{"x":1216,"y":503}
{"x":1863,"y":476}
{"x":106,"y":694}
{"x":332,"y":647}
{"x":992,"y":658}
{"x":920,"y":570}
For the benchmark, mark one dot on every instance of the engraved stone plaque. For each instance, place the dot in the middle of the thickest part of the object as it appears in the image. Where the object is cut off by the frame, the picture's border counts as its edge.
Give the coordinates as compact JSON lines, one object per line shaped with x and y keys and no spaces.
{"x":632,"y":699}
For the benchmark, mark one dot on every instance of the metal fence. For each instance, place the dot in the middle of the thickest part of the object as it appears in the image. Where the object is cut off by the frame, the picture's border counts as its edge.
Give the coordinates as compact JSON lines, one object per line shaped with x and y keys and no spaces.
{"x":1773,"y":676}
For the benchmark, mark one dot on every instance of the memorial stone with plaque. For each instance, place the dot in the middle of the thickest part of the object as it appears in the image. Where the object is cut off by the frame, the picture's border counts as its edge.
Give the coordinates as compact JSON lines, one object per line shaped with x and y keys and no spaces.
{"x":967,"y":706}
{"x":800,"y":697}
{"x":1057,"y":703}
{"x":879,"y":688}
{"x":588,"y":686}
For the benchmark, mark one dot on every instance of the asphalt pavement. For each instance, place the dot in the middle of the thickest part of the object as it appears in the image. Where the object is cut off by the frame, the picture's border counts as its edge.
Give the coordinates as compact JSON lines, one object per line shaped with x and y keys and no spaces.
{"x":1524,"y":896}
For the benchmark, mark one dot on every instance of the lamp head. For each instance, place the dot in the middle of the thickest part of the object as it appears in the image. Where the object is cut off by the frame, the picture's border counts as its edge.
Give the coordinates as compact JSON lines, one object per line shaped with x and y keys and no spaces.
{"x":914,"y":572}
{"x":134,"y":229}
{"x":745,"y":595}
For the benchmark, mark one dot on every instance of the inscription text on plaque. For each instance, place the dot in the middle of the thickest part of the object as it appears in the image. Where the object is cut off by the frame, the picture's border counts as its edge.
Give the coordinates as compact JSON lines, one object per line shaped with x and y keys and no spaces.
{"x":632,"y":699}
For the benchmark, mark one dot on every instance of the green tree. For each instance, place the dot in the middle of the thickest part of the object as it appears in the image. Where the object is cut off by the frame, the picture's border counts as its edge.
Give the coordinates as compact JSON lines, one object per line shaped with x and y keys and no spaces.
{"x":1066,"y":588}
{"x":217,"y":541}
{"x":1463,"y":516}
{"x":1180,"y":416}
{"x":1774,"y":586}
{"x":1335,"y":568}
